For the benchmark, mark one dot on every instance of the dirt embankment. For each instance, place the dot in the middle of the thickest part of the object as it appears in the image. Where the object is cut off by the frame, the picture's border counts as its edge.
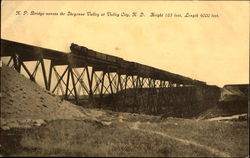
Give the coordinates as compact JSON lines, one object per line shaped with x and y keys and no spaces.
{"x":24,"y":103}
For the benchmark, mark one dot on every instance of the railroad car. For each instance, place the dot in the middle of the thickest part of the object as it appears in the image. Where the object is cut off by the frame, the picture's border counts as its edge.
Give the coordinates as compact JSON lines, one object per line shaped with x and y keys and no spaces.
{"x":84,"y":51}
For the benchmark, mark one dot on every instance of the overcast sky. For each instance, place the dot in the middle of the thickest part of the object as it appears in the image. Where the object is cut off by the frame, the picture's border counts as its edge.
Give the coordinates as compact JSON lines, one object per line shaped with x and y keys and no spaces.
{"x":214,"y":50}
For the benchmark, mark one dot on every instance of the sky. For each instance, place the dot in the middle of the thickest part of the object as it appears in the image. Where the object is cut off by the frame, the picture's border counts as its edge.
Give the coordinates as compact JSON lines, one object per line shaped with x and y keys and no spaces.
{"x":214,"y":50}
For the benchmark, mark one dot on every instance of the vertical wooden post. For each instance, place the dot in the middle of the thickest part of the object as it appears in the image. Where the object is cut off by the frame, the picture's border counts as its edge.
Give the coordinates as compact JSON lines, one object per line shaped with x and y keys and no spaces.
{"x":74,"y":85}
{"x":101,"y":93}
{"x":17,"y":64}
{"x":50,"y":74}
{"x":90,"y":79}
{"x":110,"y":83}
{"x":126,"y":81}
{"x":44,"y":73}
{"x":125,"y":91}
{"x":67,"y":83}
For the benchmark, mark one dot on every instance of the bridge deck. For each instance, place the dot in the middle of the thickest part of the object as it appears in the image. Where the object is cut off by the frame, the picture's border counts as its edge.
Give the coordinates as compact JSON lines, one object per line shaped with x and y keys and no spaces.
{"x":82,"y":56}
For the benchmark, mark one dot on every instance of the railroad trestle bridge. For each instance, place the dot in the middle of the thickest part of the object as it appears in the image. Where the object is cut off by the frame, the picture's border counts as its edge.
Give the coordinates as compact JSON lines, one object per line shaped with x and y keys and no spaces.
{"x":102,"y":78}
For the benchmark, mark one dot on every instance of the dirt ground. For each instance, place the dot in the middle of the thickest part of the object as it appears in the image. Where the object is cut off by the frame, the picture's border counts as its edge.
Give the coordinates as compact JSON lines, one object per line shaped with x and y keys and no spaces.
{"x":34,"y":122}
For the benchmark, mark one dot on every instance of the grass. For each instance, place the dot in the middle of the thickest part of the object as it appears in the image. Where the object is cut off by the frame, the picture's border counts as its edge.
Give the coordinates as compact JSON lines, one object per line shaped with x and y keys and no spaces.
{"x":89,"y":138}
{"x":230,"y":137}
{"x":92,"y":138}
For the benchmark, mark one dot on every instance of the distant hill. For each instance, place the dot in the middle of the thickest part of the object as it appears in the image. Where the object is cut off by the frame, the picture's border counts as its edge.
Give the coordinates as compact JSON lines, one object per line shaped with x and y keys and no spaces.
{"x":237,"y":92}
{"x":233,"y":100}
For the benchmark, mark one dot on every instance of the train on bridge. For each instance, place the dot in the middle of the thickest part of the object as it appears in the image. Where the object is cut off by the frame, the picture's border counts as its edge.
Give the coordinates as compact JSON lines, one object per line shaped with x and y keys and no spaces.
{"x":133,"y":67}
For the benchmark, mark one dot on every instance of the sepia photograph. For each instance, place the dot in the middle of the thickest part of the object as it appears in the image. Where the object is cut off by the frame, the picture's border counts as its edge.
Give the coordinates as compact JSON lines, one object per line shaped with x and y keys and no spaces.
{"x":132,"y":78}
